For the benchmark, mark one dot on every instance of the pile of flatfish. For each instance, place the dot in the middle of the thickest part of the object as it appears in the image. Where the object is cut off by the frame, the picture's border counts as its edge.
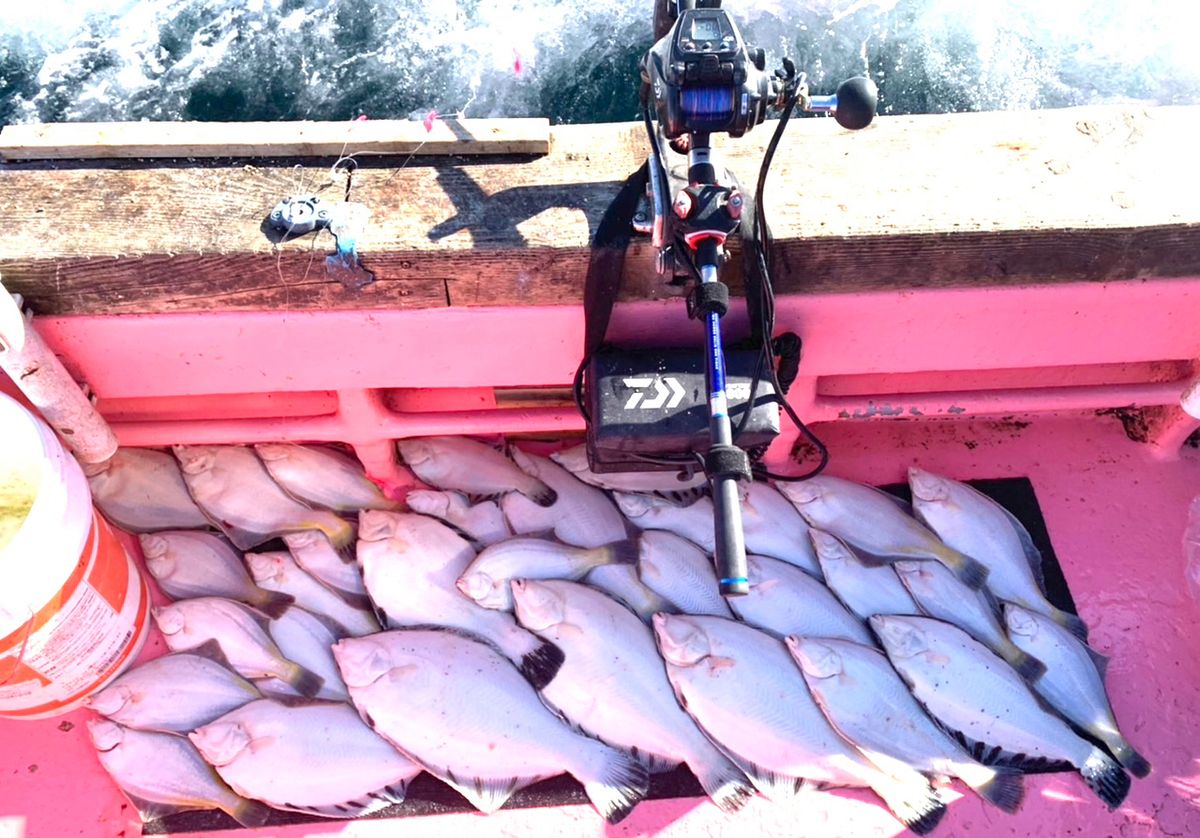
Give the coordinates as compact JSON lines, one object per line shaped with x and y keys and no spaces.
{"x":524,"y":617}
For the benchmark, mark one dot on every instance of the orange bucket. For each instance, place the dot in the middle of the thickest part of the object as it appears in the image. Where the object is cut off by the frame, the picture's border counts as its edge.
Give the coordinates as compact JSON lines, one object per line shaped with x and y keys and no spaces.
{"x":74,"y":610}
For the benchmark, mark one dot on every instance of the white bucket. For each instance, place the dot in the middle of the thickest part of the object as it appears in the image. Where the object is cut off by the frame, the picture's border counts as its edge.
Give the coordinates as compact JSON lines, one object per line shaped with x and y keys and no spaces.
{"x":74,"y":610}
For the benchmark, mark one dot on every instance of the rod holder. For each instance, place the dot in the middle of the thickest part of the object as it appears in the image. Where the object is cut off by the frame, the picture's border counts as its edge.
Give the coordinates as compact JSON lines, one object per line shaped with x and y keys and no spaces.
{"x":46,"y":384}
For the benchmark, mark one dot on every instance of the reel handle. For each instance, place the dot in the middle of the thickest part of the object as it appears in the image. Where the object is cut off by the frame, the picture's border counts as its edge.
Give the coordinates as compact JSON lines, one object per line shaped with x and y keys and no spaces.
{"x":853,"y":105}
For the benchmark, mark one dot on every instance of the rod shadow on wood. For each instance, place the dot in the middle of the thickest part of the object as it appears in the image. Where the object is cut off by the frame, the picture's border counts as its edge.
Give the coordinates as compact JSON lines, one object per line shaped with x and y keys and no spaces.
{"x":494,"y":219}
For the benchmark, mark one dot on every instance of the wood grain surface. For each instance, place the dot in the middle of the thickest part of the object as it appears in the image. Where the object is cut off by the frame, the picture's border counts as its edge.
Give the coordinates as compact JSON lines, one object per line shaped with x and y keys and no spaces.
{"x":107,"y":140}
{"x":1093,"y":194}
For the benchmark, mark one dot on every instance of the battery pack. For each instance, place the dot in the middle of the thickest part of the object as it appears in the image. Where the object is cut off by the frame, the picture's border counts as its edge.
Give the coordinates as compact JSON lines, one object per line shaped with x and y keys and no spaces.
{"x":652,"y":404}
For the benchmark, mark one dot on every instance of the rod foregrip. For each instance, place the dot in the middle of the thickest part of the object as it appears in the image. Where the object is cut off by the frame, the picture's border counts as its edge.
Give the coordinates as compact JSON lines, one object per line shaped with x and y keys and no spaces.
{"x":730,"y":552}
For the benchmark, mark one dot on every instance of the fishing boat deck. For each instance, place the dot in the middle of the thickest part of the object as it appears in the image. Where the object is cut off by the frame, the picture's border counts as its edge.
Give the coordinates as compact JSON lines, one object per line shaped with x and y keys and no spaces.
{"x":1046,"y":331}
{"x":1114,"y":514}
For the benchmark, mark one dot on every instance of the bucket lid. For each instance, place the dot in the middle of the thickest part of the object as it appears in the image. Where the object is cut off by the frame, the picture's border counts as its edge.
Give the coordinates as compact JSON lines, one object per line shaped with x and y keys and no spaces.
{"x":23,"y":469}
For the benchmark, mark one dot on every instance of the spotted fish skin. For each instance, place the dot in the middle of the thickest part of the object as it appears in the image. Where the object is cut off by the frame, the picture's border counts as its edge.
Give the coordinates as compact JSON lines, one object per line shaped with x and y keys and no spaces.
{"x":743,"y":689}
{"x":1074,"y":681}
{"x":971,"y":691}
{"x":236,"y":492}
{"x":463,"y":712}
{"x":876,"y":525}
{"x":163,"y":774}
{"x":411,"y":564}
{"x":969,"y":521}
{"x":612,"y":684}
{"x":173,"y":694}
{"x":867,"y":702}
{"x":318,"y":758}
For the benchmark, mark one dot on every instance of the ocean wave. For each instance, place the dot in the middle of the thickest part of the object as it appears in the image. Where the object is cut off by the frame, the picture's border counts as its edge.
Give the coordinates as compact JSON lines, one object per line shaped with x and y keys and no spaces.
{"x":73,"y":60}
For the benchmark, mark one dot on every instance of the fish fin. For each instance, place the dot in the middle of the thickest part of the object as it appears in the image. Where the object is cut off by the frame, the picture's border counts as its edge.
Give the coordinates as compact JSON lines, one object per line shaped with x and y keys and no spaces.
{"x":901,"y":503}
{"x":1107,"y":779}
{"x":540,"y":493}
{"x":357,"y":601}
{"x":261,"y":619}
{"x":916,"y":805}
{"x":654,"y":763}
{"x":486,"y":795}
{"x":1005,"y":790}
{"x":621,"y":552}
{"x":151,"y":810}
{"x":683,"y":497}
{"x":474,"y":499}
{"x":1027,"y":666}
{"x":303,"y":681}
{"x":775,"y":787}
{"x":970,"y":572}
{"x":242,"y":539}
{"x":332,"y":626}
{"x":1098,"y":660}
{"x":993,"y":603}
{"x":345,"y":550}
{"x":211,"y":649}
{"x":273,"y":604}
{"x":249,"y":813}
{"x":541,"y":665}
{"x":1135,"y":763}
{"x":996,"y":757}
{"x":390,"y":795}
{"x":1032,"y":554}
{"x":869,"y":559}
{"x":724,"y":783}
{"x":475,"y":543}
{"x":616,"y":785}
{"x":1072,"y":623}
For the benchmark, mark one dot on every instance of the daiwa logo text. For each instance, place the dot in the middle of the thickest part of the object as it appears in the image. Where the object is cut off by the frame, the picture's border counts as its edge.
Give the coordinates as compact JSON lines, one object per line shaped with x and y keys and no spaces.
{"x":666,"y":392}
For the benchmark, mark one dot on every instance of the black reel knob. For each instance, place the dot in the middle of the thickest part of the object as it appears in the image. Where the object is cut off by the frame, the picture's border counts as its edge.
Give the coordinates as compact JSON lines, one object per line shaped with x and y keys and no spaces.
{"x":856,"y":101}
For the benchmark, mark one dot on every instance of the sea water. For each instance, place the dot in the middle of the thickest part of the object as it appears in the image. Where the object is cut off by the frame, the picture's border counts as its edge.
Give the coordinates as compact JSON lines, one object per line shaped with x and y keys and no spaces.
{"x":569,"y":61}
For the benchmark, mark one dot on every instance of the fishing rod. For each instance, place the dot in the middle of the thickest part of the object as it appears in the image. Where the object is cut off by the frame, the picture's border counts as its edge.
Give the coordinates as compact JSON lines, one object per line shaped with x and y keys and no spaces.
{"x":701,"y":78}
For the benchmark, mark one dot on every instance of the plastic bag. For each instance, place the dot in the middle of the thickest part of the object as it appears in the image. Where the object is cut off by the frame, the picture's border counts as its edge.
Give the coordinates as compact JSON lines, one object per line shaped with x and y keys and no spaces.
{"x":1191,"y":549}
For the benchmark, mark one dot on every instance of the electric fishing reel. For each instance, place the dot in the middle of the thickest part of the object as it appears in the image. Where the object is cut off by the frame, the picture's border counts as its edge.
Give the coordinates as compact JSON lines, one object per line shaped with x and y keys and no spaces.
{"x":704,"y":79}
{"x":686,"y":410}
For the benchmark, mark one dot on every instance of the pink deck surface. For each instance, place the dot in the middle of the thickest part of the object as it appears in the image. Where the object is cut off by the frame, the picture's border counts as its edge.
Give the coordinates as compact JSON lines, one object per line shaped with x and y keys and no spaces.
{"x":1115,"y":516}
{"x":1115,"y":509}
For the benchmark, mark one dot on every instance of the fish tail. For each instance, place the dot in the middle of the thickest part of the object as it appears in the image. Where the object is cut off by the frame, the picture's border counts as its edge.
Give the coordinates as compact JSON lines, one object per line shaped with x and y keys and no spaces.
{"x":619,"y":552}
{"x":614,"y":781}
{"x":1003,"y":788}
{"x":249,"y":813}
{"x":1027,"y":666}
{"x":1071,"y":622}
{"x":272,"y":603}
{"x":541,"y":665}
{"x":1135,"y":763}
{"x":303,"y":681}
{"x":342,"y":536}
{"x":722,"y":781}
{"x":970,"y":572}
{"x":1107,"y":779}
{"x":539,"y":492}
{"x":916,"y":805}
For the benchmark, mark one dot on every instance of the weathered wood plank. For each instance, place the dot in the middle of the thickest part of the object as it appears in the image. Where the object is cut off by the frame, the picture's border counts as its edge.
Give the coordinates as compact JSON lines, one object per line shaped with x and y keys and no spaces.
{"x":98,"y":140}
{"x":1048,"y":196}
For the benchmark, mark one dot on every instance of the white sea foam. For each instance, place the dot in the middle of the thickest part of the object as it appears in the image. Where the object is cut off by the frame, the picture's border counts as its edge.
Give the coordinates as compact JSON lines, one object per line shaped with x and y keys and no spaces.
{"x":175,"y":59}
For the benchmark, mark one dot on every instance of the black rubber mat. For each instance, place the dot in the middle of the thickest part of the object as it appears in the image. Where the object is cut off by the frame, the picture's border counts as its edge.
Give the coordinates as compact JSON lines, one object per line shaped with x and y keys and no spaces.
{"x":427,"y":796}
